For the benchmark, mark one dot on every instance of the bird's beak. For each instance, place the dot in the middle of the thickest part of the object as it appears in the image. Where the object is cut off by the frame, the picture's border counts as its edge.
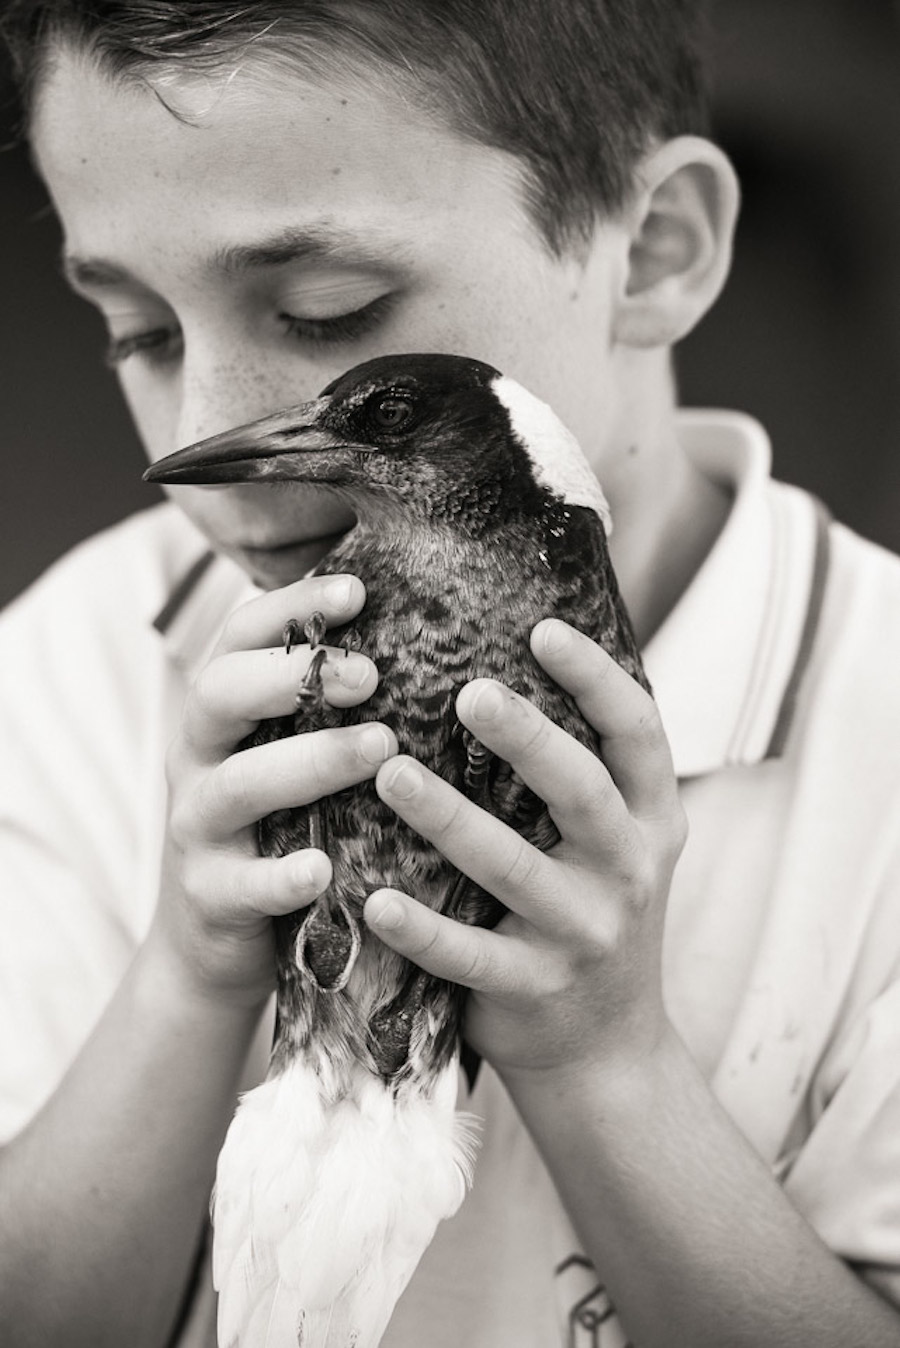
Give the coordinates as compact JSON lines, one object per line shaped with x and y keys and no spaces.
{"x":288,"y":446}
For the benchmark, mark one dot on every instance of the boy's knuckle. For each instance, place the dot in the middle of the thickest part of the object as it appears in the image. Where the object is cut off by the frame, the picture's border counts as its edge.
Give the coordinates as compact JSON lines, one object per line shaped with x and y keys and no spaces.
{"x":231,"y":786}
{"x":632,"y":868}
{"x":425,"y":942}
{"x":449,"y":817}
{"x":534,"y":731}
{"x":644,"y":878}
{"x":203,"y":699}
{"x":590,"y":797}
{"x":648,"y":727}
{"x":322,"y":761}
{"x":179,"y":822}
{"x":234,"y":632}
{"x":194,"y":879}
{"x":174,"y":764}
{"x":186,"y":822}
{"x":517,"y":867}
{"x":678,"y":828}
{"x":557,"y":975}
{"x":473,"y":963}
{"x":669,"y":829}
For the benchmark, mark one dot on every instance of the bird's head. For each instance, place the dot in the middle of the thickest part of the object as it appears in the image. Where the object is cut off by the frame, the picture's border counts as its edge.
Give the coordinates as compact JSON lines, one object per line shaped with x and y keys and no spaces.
{"x":438,"y":435}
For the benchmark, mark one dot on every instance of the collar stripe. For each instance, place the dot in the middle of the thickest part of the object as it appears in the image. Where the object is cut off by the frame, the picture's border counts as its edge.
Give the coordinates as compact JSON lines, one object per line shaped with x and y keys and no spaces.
{"x":821,"y":564}
{"x":182,"y":592}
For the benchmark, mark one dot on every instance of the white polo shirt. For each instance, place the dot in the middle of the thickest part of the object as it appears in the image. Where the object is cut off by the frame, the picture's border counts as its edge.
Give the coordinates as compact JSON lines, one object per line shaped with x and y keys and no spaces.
{"x":776,"y":676}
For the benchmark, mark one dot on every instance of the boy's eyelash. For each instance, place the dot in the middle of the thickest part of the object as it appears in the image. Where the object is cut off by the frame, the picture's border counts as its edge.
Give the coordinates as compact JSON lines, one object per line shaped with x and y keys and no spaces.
{"x":341,"y":327}
{"x":156,"y":345}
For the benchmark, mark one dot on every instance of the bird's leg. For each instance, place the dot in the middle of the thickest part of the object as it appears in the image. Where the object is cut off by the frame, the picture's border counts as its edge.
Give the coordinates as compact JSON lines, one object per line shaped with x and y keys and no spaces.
{"x":506,"y":797}
{"x":466,"y":901}
{"x":316,"y":826}
{"x":476,"y":773}
{"x":328,"y":940}
{"x":503,"y":794}
{"x":310,"y":694}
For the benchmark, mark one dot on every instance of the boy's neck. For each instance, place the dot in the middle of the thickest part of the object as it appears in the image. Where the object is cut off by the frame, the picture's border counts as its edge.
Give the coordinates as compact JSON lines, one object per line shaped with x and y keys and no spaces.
{"x":666,"y":513}
{"x":656,"y":565}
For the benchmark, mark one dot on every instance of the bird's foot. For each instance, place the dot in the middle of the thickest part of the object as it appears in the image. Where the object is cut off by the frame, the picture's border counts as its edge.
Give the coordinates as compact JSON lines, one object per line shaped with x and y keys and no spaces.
{"x":310,"y":694}
{"x":310,"y":697}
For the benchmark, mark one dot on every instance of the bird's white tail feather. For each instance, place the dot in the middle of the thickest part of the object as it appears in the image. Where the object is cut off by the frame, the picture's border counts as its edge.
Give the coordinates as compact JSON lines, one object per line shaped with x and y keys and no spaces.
{"x":324,"y":1207}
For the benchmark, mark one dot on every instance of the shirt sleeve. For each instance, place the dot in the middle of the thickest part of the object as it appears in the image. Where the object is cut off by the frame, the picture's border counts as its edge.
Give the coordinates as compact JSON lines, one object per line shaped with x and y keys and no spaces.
{"x":845,"y":1176}
{"x":81,"y":800}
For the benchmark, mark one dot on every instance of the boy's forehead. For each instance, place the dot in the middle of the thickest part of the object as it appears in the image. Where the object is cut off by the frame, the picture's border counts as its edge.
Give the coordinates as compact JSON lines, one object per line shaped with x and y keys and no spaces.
{"x":260,"y":132}
{"x":289,"y":91}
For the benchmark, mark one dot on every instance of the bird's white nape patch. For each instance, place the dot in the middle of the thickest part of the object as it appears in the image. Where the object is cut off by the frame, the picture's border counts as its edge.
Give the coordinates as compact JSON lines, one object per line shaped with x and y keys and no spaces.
{"x":558,"y":459}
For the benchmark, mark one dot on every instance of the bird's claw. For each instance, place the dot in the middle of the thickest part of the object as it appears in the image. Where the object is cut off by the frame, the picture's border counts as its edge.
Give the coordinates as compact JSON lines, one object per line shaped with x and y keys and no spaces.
{"x":313,"y":630}
{"x":292,"y":635}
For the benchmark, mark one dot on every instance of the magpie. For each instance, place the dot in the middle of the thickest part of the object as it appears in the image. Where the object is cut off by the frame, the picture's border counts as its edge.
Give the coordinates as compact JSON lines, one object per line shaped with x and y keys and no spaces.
{"x":476,"y":515}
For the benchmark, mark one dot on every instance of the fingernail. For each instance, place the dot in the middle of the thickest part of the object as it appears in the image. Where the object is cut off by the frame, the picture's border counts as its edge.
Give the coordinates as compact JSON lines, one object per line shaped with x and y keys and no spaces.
{"x":352,"y":672}
{"x":340,"y":591}
{"x":556,"y":636}
{"x":487,"y":702}
{"x":385,"y":911}
{"x":404,"y":781}
{"x":374,"y":744}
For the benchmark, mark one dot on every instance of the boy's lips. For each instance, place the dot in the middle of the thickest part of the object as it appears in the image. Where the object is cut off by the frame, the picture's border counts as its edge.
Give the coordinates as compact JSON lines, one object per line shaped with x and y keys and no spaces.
{"x":283,"y":561}
{"x":287,"y":544}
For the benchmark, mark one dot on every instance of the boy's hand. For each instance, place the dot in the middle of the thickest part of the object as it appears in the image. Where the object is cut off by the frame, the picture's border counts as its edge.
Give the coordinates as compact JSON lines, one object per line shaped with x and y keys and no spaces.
{"x":571,"y":976}
{"x":218,"y":894}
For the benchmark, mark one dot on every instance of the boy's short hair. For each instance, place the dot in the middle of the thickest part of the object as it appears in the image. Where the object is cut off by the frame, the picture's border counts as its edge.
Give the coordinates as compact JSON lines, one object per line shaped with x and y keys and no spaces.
{"x":576,"y":89}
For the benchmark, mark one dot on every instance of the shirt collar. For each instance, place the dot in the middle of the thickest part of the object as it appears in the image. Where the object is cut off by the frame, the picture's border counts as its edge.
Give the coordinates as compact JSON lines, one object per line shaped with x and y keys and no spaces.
{"x":725,"y":665}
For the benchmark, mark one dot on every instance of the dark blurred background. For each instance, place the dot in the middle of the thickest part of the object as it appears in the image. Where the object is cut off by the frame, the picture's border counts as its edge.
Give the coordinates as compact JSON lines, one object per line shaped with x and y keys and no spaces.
{"x":806,"y":336}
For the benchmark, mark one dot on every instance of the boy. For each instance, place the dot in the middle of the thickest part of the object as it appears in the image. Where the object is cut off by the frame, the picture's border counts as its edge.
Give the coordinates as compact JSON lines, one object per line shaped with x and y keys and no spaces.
{"x":256,"y":198}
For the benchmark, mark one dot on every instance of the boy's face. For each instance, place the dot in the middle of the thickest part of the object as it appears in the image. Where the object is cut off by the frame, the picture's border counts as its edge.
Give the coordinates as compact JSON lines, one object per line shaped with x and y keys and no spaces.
{"x":286,"y":231}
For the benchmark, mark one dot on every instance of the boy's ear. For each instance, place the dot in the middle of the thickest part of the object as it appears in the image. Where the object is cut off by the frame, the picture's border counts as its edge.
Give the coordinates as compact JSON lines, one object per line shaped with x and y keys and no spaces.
{"x":681,"y":220}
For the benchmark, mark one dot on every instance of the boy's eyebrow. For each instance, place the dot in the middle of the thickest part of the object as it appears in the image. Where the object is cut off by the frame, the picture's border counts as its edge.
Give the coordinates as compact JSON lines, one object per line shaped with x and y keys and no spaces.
{"x":325,"y":243}
{"x":321,"y":244}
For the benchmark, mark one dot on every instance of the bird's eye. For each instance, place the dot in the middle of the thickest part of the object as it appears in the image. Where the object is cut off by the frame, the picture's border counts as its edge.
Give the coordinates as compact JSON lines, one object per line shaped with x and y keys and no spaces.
{"x":391,"y":413}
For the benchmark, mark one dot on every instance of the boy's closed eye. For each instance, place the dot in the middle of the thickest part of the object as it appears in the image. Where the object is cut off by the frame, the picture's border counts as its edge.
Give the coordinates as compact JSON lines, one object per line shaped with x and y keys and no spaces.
{"x":156,"y":345}
{"x":335,"y":328}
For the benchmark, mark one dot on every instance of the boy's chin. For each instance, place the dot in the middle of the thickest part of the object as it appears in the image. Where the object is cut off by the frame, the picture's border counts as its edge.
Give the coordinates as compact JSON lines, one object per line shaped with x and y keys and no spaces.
{"x":272,"y":568}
